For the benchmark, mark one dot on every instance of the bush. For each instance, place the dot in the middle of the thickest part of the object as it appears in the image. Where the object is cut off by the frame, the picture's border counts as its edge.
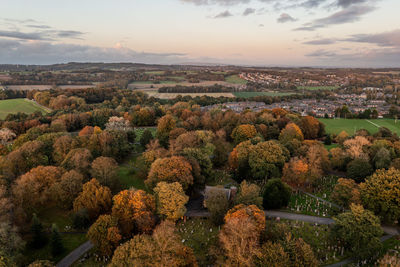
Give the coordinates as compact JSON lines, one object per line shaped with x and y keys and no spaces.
{"x":146,"y":137}
{"x":81,"y":219}
{"x":358,"y":169}
{"x":276,"y":194}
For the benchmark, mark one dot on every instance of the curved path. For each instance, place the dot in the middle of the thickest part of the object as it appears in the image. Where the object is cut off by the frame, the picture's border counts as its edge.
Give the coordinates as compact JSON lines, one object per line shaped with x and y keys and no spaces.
{"x":75,"y":254}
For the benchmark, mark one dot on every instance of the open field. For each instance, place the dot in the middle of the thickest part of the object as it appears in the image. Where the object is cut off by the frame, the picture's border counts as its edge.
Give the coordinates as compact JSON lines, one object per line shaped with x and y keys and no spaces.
{"x":235,"y":79}
{"x":174,"y":95}
{"x":155,"y":72}
{"x":253,"y":94}
{"x":13,"y":106}
{"x":335,"y":126}
{"x":47,"y":87}
{"x":314,"y":88}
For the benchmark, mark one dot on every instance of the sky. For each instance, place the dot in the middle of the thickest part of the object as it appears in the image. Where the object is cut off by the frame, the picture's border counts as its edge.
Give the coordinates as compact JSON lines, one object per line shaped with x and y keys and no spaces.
{"x":327,"y":33}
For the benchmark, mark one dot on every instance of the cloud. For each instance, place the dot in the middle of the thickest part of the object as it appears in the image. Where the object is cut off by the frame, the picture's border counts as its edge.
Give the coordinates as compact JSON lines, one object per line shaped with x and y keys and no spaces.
{"x":216,"y":2}
{"x":321,"y":53}
{"x":23,"y":36}
{"x":224,"y":14}
{"x":38,"y":26}
{"x":43,"y":52}
{"x":285,"y":18}
{"x":347,"y":3}
{"x":261,"y":25}
{"x":388,"y":39}
{"x":325,"y":41}
{"x":46,"y":35}
{"x":249,"y":11}
{"x":351,"y":14}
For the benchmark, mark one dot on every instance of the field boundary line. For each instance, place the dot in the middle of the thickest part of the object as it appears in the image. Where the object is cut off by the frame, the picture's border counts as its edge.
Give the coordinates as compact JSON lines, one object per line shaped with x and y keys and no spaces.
{"x":376,"y":125}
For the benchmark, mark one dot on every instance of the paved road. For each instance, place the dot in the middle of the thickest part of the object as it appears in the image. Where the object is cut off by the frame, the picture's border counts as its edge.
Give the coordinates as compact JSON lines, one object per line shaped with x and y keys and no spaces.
{"x":75,"y":255}
{"x":297,"y":217}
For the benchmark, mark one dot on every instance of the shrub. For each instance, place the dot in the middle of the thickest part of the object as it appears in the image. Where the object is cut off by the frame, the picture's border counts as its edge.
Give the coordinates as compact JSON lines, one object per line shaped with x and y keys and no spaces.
{"x":276,"y":194}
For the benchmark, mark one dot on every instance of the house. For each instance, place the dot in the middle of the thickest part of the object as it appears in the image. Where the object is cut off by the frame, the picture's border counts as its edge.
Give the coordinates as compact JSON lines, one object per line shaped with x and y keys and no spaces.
{"x":229,"y":192}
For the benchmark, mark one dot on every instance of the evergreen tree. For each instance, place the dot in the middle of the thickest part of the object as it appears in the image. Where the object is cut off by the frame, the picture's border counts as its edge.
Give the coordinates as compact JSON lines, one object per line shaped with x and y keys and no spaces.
{"x":56,"y":243}
{"x":39,"y":238}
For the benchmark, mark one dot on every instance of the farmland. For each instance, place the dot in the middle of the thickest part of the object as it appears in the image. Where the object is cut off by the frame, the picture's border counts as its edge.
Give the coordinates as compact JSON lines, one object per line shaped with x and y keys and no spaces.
{"x":335,"y":126}
{"x":235,"y":79}
{"x":12,"y":106}
{"x":252,"y":94}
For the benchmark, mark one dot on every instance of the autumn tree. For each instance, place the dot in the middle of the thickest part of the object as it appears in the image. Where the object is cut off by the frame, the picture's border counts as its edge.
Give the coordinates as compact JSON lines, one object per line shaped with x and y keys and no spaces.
{"x":217,"y":203}
{"x":68,"y":188}
{"x":105,"y":170}
{"x":251,"y":212}
{"x":380,"y":194}
{"x":346,"y":192}
{"x":34,"y":189}
{"x":164,"y":126}
{"x":41,"y":263}
{"x":296,"y":172}
{"x":359,"y":231}
{"x":249,"y":194}
{"x":357,"y":147}
{"x":272,"y":254}
{"x":6,"y":136}
{"x":310,"y":127}
{"x":146,"y":137}
{"x":338,"y":158}
{"x":276,"y":194}
{"x":318,"y":161}
{"x":171,"y":169}
{"x":163,"y":248}
{"x":86,"y":131}
{"x":389,"y":260}
{"x":134,"y":210}
{"x":291,"y":131}
{"x":96,"y":199}
{"x":243,"y":133}
{"x":341,"y":137}
{"x":171,"y":200}
{"x":104,"y":234}
{"x":61,"y":147}
{"x":78,"y":159}
{"x":266,"y":160}
{"x":300,"y":253}
{"x":239,"y":239}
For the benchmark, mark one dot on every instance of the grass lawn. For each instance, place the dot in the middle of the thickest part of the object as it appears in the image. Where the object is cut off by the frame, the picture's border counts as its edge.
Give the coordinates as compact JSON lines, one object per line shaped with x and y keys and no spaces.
{"x":129,"y":174}
{"x":335,"y":126}
{"x":60,"y":217}
{"x":252,"y":94}
{"x":12,"y":106}
{"x":235,"y":79}
{"x":200,"y":235}
{"x":329,"y":147}
{"x":314,"y":88}
{"x":70,"y":242}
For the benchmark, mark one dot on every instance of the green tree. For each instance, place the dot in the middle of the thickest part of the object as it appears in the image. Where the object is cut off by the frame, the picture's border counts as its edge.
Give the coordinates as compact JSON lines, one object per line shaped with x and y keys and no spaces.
{"x":276,"y":194}
{"x":39,"y":238}
{"x":358,"y":169}
{"x":146,"y":137}
{"x":104,"y":234}
{"x":249,"y":194}
{"x":57,"y":246}
{"x":359,"y":231}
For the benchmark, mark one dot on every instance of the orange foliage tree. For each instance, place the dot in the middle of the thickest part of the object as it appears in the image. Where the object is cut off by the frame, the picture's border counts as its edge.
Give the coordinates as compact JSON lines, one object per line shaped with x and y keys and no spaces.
{"x":135,"y":211}
{"x":310,"y":127}
{"x":243,"y":132}
{"x":295,"y":173}
{"x":291,"y":131}
{"x":251,"y":212}
{"x":104,"y":234}
{"x":172,"y":169}
{"x":96,"y":199}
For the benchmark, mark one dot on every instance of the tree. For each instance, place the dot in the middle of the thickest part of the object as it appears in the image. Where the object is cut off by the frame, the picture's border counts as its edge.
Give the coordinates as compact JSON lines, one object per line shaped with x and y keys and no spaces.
{"x":272,"y":254}
{"x":339,"y":158}
{"x":380,"y":194}
{"x":251,"y":212}
{"x":239,"y":239}
{"x":86,"y":131}
{"x":146,"y":137}
{"x":171,"y":200}
{"x":300,"y":253}
{"x":276,"y":194}
{"x":57,"y":246}
{"x":78,"y":159}
{"x":68,"y":188}
{"x":41,"y":263}
{"x":6,"y":136}
{"x":389,"y":260}
{"x":249,"y":194}
{"x":341,"y":137}
{"x":118,"y":124}
{"x":34,"y":189}
{"x":104,"y":234}
{"x":105,"y":170}
{"x":217,"y":203}
{"x":359,"y":231}
{"x":296,"y":173}
{"x":318,"y":161}
{"x":163,"y":248}
{"x":96,"y":199}
{"x":266,"y":160}
{"x":310,"y":127}
{"x":39,"y":238}
{"x":243,"y":133}
{"x":346,"y":192}
{"x":164,"y":126}
{"x":10,"y":241}
{"x":382,"y":159}
{"x":291,"y":131}
{"x":358,"y":169}
{"x":357,"y":147}
{"x":134,"y":210}
{"x":172,"y":169}
{"x":61,"y":147}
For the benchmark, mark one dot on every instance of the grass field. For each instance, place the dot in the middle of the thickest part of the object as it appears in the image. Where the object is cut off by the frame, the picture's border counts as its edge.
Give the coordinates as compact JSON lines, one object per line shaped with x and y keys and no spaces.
{"x":12,"y":106}
{"x":235,"y":79}
{"x":314,"y":88}
{"x":335,"y":126}
{"x":252,"y":94}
